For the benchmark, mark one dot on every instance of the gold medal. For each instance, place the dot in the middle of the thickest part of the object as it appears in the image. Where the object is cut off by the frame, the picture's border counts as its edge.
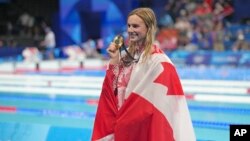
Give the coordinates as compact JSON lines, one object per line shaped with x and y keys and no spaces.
{"x":118,"y":40}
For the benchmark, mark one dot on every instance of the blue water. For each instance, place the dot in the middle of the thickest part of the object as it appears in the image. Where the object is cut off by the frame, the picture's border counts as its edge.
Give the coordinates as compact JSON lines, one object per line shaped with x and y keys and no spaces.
{"x":71,"y":118}
{"x":211,"y":120}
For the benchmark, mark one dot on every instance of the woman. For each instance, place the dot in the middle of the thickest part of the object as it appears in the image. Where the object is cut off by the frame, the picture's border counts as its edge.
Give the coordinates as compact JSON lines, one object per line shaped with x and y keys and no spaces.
{"x":142,"y":98}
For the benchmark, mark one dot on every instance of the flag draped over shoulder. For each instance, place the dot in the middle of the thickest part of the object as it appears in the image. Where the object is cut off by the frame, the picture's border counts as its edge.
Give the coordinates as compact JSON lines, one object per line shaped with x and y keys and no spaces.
{"x":155,"y":108}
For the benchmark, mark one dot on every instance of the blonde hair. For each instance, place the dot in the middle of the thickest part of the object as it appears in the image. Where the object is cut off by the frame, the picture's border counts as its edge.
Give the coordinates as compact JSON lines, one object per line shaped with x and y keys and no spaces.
{"x":148,"y":16}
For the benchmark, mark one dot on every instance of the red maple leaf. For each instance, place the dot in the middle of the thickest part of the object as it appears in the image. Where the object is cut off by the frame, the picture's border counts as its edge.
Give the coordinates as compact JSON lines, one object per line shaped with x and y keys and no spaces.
{"x":169,"y":78}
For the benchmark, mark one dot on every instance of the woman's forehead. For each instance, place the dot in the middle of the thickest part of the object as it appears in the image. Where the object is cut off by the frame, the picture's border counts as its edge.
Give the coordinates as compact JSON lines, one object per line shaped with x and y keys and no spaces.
{"x":135,"y":19}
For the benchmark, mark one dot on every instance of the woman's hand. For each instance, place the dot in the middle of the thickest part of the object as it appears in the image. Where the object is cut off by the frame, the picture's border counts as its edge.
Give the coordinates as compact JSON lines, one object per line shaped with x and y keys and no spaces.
{"x":113,"y":53}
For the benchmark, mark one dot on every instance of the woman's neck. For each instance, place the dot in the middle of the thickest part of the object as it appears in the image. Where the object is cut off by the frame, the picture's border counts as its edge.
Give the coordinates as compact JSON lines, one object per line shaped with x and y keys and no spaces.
{"x":139,"y":47}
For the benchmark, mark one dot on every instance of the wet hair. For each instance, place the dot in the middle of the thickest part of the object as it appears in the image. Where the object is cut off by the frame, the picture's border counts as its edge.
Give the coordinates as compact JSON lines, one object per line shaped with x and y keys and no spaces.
{"x":148,"y":16}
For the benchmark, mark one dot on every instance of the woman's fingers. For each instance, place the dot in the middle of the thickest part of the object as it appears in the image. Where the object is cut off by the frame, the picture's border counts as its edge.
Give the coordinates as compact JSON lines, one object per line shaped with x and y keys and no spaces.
{"x":112,"y":47}
{"x":112,"y":50}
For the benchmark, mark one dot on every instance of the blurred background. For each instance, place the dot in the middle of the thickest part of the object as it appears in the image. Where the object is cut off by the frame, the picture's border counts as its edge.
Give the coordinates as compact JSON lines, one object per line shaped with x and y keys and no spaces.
{"x":53,"y":60}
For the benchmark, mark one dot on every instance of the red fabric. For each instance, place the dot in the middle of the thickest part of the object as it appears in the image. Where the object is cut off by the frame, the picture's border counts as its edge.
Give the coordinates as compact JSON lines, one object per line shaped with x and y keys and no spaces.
{"x":154,"y":110}
{"x":210,"y":3}
{"x":228,"y":10}
{"x":107,"y":109}
{"x":147,"y":124}
{"x":139,"y":120}
{"x":170,"y":80}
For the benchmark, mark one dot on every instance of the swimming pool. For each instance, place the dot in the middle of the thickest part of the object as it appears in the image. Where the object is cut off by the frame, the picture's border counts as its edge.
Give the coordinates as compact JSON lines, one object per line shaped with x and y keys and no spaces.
{"x":52,"y":107}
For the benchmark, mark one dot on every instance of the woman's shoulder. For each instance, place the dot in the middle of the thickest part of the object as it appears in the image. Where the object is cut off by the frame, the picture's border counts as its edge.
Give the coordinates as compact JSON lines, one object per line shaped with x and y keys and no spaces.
{"x":159,"y":55}
{"x":156,"y":49}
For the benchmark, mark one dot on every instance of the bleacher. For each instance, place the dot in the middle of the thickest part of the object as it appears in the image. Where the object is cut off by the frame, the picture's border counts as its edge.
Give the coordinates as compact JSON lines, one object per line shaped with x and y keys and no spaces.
{"x":180,"y":57}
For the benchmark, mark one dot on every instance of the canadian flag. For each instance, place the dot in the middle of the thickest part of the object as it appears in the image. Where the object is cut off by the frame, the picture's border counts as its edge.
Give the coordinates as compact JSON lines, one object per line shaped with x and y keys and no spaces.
{"x":155,"y":108}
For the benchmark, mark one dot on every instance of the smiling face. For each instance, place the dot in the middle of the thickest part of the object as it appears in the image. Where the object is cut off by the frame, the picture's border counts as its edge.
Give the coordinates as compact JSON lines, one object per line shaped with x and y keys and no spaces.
{"x":136,"y":29}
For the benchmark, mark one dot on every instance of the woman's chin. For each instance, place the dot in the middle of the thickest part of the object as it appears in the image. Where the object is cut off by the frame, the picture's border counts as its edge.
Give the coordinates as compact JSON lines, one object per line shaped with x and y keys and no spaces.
{"x":133,"y":39}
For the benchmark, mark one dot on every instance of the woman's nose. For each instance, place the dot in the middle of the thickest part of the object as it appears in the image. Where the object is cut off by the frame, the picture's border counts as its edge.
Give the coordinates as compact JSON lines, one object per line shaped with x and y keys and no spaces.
{"x":130,"y":30}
